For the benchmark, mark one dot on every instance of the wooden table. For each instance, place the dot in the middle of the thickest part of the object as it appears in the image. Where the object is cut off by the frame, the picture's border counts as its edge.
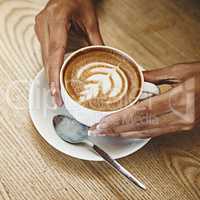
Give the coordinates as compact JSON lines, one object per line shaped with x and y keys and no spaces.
{"x":155,"y":33}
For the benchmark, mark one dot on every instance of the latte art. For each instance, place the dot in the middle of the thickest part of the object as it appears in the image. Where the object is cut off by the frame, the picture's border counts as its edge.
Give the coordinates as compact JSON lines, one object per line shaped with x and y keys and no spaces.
{"x":102,"y":80}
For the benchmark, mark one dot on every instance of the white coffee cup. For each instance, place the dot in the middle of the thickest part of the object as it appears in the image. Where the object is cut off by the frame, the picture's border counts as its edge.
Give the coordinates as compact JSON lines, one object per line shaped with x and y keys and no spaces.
{"x":88,"y":116}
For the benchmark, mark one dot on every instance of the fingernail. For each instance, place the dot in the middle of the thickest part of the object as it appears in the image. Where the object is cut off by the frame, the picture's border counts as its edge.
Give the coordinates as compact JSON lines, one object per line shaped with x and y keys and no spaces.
{"x":57,"y":100}
{"x":53,"y":91}
{"x":98,"y":127}
{"x":60,"y":102}
{"x":95,"y":133}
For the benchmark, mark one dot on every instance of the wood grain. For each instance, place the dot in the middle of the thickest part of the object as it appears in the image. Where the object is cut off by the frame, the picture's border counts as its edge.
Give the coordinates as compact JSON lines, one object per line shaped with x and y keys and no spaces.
{"x":155,"y":33}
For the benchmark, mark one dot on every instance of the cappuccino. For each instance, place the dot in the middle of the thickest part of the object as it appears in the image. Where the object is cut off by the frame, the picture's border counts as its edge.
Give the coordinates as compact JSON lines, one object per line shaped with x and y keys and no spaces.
{"x":102,"y":80}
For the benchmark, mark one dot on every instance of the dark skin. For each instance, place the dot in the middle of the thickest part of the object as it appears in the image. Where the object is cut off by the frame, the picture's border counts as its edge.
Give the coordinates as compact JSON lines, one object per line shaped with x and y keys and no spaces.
{"x":52,"y":27}
{"x":176,"y":110}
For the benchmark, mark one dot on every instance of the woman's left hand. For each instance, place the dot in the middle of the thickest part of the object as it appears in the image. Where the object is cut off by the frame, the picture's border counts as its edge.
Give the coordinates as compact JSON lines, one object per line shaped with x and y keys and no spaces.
{"x":176,"y":110}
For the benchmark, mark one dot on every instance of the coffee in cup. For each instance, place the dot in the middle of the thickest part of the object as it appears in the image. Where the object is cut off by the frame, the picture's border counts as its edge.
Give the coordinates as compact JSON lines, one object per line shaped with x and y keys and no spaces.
{"x":102,"y":79}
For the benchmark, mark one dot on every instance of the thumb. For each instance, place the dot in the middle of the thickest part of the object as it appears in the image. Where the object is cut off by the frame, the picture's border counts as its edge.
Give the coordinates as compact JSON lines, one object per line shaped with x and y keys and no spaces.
{"x":94,"y":35}
{"x":160,"y":76}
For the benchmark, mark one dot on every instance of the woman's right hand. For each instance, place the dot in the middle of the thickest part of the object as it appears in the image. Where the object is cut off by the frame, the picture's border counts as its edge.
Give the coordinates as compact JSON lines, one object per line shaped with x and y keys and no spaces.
{"x":52,"y":26}
{"x":176,"y":110}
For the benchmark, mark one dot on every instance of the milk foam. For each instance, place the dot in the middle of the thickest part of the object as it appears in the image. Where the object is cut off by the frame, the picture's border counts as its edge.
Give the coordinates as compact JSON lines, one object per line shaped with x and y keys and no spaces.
{"x":105,"y":78}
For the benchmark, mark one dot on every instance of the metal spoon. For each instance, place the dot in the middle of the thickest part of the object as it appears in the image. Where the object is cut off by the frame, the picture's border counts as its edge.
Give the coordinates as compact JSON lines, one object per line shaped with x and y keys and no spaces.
{"x":64,"y":126}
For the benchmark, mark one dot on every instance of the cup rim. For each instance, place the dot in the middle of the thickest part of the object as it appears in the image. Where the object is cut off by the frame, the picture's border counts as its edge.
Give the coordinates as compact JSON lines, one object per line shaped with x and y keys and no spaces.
{"x":122,"y":53}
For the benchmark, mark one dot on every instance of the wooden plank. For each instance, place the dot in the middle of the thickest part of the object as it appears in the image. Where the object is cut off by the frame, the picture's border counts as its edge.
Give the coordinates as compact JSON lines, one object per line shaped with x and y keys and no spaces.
{"x":155,"y":33}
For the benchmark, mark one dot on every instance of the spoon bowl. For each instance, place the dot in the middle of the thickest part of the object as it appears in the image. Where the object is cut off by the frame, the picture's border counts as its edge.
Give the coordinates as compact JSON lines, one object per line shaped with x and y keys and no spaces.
{"x":63,"y":126}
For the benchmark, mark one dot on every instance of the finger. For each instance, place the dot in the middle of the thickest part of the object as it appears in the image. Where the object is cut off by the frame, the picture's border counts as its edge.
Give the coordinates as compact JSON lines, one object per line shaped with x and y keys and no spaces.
{"x":151,"y":133}
{"x":42,"y":32}
{"x":95,"y":37}
{"x":132,"y":114}
{"x":93,"y":32}
{"x":143,"y":122}
{"x":160,"y":76}
{"x":58,"y":43}
{"x":94,"y":132}
{"x":141,"y":131}
{"x":135,"y":126}
{"x":172,"y":74}
{"x":125,"y":119}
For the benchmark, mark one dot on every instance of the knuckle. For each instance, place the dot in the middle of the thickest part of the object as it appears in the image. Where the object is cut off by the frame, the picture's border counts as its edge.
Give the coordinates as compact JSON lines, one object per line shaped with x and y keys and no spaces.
{"x":39,"y":22}
{"x":52,"y":68}
{"x":118,"y":120}
{"x":190,"y":120}
{"x":49,"y":68}
{"x":109,"y":119}
{"x":57,"y":13}
{"x":36,"y":30}
{"x":114,"y":130}
{"x":92,"y":26}
{"x":50,"y":9}
{"x":39,"y":18}
{"x":50,"y":65}
{"x":53,"y":46}
{"x":188,"y":127}
{"x":128,"y":118}
{"x":56,"y":46}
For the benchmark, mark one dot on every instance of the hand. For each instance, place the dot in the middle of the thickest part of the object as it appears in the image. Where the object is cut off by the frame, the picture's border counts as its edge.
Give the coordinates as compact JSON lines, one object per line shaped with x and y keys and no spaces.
{"x":176,"y":110}
{"x":52,"y":26}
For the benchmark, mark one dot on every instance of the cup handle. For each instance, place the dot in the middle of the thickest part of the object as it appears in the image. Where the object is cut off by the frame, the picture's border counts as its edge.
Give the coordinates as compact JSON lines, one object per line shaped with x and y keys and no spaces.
{"x":149,"y":90}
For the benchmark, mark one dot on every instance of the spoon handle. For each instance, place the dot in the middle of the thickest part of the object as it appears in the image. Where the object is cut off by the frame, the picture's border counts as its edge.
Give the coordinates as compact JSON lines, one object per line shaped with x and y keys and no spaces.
{"x":119,"y":168}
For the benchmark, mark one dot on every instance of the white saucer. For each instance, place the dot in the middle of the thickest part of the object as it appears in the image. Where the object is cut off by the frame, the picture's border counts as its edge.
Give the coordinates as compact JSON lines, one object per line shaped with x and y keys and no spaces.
{"x":42,"y":112}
